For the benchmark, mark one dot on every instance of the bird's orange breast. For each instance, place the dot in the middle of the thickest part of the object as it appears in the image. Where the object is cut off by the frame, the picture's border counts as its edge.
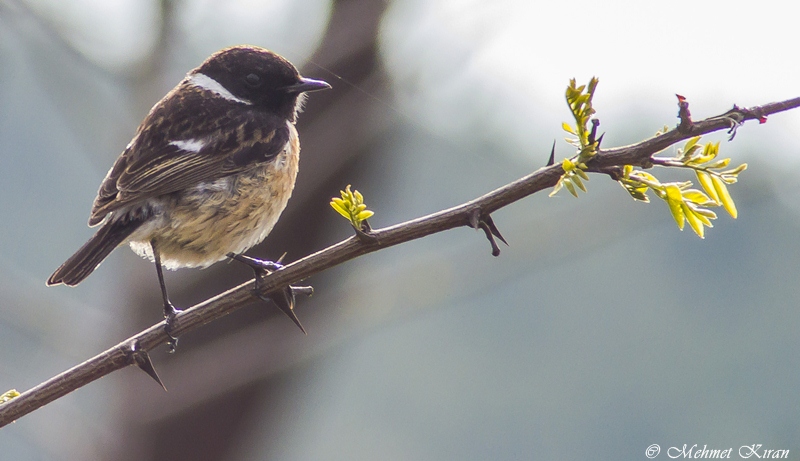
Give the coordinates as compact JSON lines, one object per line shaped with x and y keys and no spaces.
{"x":229,"y":215}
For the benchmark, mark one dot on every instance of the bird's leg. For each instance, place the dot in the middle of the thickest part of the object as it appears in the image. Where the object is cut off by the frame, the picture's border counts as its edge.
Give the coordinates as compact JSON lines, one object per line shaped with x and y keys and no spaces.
{"x":169,"y":310}
{"x":284,"y":297}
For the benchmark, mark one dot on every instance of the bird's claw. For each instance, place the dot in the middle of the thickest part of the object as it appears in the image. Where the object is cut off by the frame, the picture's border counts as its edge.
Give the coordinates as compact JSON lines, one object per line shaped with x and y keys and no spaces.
{"x":170,"y":315}
{"x":284,"y":298}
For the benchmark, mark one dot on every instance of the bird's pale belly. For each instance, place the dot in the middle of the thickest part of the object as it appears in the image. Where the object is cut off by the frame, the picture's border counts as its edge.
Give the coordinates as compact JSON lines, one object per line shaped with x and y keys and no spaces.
{"x":229,"y":215}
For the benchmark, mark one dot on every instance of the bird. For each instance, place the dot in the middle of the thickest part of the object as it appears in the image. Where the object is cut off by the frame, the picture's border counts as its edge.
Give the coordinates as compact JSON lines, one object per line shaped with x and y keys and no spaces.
{"x":207,"y":174}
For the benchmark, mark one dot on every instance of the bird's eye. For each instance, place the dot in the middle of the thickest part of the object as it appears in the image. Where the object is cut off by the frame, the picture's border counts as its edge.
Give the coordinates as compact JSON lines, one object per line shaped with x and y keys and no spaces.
{"x":253,"y":80}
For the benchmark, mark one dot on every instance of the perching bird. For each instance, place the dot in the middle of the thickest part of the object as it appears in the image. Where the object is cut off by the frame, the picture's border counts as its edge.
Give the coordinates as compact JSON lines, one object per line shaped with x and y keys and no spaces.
{"x":208,"y":172}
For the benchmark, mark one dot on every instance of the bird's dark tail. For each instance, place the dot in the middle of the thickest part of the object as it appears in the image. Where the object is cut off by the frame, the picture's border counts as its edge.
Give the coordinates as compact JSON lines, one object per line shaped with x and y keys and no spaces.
{"x":93,"y":252}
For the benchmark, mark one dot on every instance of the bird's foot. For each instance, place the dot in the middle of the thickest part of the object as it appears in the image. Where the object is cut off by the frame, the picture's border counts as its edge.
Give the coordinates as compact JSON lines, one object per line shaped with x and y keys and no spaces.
{"x":260,"y":266}
{"x":170,"y":314}
{"x":284,"y":298}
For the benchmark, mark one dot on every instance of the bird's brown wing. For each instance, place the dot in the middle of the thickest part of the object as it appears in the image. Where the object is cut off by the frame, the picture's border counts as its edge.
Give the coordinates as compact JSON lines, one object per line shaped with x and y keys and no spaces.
{"x":186,"y":141}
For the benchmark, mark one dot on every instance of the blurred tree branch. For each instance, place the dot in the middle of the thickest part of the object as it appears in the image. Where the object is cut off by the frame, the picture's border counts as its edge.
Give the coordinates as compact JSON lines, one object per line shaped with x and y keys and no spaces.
{"x":475,"y":214}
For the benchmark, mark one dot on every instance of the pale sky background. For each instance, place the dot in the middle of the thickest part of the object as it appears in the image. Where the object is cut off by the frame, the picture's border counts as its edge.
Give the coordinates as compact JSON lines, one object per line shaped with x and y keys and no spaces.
{"x":713,"y":52}
{"x":534,"y":355}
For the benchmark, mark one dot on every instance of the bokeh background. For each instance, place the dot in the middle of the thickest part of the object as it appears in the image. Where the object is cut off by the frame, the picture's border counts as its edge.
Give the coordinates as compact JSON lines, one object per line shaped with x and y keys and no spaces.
{"x":602,"y":329}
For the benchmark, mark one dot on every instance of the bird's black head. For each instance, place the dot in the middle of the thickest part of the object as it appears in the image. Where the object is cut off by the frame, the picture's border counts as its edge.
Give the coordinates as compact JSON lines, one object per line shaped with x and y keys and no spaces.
{"x":259,"y":77}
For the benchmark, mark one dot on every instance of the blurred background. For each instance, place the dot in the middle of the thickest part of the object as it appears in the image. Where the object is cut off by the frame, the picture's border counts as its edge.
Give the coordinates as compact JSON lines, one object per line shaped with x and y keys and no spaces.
{"x":602,"y":329}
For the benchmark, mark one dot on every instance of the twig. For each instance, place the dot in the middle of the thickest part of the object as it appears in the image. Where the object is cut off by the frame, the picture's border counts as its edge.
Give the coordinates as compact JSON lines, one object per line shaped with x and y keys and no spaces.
{"x":132,"y":350}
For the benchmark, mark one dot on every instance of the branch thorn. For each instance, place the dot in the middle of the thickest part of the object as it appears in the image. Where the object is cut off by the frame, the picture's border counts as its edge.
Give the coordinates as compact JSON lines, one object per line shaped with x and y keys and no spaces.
{"x":600,"y":140}
{"x":488,"y":232}
{"x":593,"y":133}
{"x":489,"y":229}
{"x":495,"y":231}
{"x":284,"y":297}
{"x":552,"y":158}
{"x":141,"y":359}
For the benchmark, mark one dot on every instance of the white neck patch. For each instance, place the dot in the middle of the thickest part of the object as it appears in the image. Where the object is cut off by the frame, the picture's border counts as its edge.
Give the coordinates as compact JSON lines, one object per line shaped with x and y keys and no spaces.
{"x":207,"y":83}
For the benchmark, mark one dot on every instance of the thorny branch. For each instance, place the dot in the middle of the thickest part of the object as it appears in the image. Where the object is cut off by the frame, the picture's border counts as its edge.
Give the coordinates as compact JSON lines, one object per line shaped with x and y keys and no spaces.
{"x":475,"y":214}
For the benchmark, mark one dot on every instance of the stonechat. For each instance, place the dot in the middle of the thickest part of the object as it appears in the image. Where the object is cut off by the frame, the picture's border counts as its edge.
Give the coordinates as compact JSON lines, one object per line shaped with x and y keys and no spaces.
{"x":208,"y":172}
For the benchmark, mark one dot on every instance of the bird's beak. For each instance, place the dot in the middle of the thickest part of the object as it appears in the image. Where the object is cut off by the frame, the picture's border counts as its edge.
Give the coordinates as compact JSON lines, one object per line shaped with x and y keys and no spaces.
{"x":305,"y":85}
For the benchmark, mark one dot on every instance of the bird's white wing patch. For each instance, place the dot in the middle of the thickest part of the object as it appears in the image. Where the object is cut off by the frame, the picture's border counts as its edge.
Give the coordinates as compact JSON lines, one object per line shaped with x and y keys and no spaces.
{"x":189,"y":145}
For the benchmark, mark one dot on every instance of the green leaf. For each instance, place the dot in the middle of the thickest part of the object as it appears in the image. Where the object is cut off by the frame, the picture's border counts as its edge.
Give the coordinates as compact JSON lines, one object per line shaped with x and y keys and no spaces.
{"x":691,"y":143}
{"x":697,"y":211}
{"x":366,"y":214}
{"x":351,"y":206}
{"x":8,"y":395}
{"x":570,"y":187}
{"x":705,"y":212}
{"x":593,"y":84}
{"x":736,"y":170}
{"x":694,"y":221}
{"x":577,"y":180}
{"x":675,"y":200}
{"x":711,"y":149}
{"x":724,"y":196}
{"x":708,"y":186}
{"x":566,"y":127}
{"x":580,"y":101}
{"x":339,"y":209}
{"x":694,"y":195}
{"x":719,"y":164}
{"x":627,"y":170}
{"x":557,"y":187}
{"x":637,"y":192}
{"x":647,"y":177}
